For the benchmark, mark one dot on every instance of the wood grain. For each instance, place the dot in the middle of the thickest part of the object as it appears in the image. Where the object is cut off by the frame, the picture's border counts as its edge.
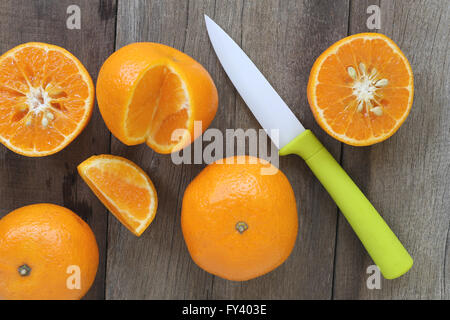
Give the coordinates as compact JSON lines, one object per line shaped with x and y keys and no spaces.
{"x":157,"y":264}
{"x":283,"y":38}
{"x":407,"y":176}
{"x":54,"y":178}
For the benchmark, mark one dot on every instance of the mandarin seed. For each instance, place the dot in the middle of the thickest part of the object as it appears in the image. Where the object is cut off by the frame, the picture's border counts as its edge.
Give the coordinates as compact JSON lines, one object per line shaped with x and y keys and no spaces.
{"x":351,"y":72}
{"x":54,"y":91}
{"x":377,"y":111}
{"x":360,"y":107}
{"x":381,"y":83}
{"x":44,"y":122}
{"x":362,"y":67}
{"x":50,"y":116}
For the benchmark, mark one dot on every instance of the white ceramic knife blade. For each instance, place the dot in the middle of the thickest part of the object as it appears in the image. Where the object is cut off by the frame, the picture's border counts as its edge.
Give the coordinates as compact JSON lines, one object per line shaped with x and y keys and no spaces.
{"x":262,"y":99}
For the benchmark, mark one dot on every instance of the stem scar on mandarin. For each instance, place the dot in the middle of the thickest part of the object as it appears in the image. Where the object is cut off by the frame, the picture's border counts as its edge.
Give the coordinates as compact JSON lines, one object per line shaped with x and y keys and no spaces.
{"x":241,"y":226}
{"x":24,"y":270}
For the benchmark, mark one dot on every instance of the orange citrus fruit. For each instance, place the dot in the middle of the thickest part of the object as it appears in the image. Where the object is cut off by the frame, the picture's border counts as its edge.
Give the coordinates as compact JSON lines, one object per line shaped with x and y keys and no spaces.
{"x":146,"y":91}
{"x":360,"y":89}
{"x":124,"y":188}
{"x":238,"y":223}
{"x":46,"y":99}
{"x":46,"y":252}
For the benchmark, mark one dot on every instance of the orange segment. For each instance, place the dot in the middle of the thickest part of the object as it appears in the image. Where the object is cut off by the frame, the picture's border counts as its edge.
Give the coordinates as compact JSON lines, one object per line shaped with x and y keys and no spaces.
{"x":46,"y":98}
{"x":360,"y":90}
{"x":152,"y":93}
{"x":144,"y":103}
{"x":124,"y":188}
{"x":159,"y":99}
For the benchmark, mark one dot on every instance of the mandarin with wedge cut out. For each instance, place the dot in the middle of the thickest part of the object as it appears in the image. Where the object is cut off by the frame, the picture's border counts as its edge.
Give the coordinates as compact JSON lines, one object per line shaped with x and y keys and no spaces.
{"x":152,"y":93}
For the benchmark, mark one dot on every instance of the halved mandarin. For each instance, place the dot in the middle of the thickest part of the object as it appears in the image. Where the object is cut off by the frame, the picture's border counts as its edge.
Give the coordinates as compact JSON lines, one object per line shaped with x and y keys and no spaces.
{"x":124,"y":188}
{"x":361,"y":89}
{"x":152,"y":93}
{"x":46,"y":99}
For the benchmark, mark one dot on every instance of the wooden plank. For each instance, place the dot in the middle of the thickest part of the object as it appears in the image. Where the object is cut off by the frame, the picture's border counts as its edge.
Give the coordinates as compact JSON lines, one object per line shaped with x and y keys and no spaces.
{"x":283,"y":38}
{"x":54,"y":179}
{"x":157,"y":265}
{"x":407,"y":176}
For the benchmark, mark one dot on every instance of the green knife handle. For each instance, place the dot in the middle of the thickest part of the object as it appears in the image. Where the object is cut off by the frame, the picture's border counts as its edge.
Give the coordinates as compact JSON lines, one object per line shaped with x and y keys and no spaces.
{"x":376,"y":236}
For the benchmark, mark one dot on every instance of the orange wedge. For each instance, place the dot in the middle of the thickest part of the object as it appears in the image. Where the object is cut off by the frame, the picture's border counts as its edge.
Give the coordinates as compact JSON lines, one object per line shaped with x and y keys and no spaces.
{"x":46,"y":99}
{"x":146,"y":91}
{"x":361,"y":89}
{"x":124,"y":188}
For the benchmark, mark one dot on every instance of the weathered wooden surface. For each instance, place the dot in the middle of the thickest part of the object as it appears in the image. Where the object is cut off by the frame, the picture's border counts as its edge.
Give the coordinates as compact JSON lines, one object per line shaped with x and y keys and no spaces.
{"x":282,"y":38}
{"x":55,"y":179}
{"x":406,"y":177}
{"x":276,"y":40}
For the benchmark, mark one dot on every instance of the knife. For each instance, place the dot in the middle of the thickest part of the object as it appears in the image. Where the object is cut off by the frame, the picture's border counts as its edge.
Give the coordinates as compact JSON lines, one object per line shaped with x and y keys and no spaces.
{"x":272,"y":113}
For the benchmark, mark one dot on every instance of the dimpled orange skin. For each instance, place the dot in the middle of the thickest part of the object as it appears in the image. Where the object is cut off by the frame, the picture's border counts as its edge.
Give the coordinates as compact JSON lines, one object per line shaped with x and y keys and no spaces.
{"x":223,"y":195}
{"x":120,"y":74}
{"x":47,"y":238}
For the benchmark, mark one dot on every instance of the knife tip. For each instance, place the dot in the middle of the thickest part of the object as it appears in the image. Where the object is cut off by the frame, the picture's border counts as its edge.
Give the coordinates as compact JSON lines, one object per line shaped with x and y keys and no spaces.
{"x":209,"y":23}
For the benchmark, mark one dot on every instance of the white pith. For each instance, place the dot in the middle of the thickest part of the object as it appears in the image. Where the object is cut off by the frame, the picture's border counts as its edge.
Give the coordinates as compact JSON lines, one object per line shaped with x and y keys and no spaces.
{"x":38,"y":102}
{"x":365,"y":88}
